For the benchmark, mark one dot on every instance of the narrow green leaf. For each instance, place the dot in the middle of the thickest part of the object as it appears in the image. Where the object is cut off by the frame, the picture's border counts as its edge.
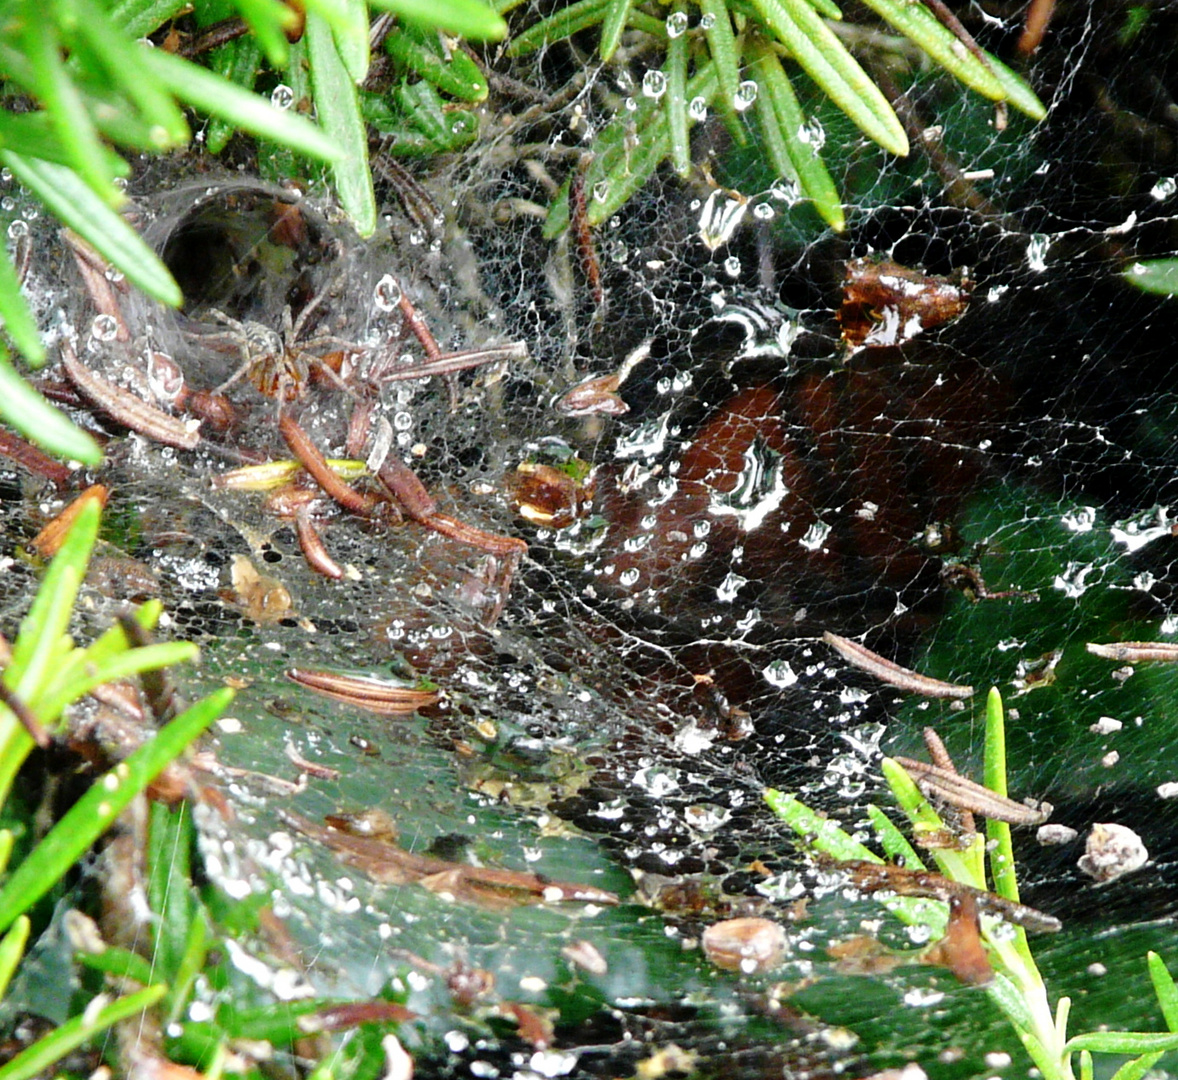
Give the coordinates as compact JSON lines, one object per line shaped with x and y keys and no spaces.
{"x":1086,"y":1070}
{"x":64,"y":105}
{"x":19,"y":323}
{"x":828,"y":9}
{"x":38,"y":421}
{"x":822,"y":833}
{"x":1163,"y":986}
{"x":1119,"y":1042}
{"x":192,"y":962}
{"x":895,"y":843}
{"x":138,"y":18}
{"x":467,"y":18}
{"x":1138,"y":1067}
{"x":121,"y":60}
{"x":1002,"y":864}
{"x":612,"y":26}
{"x":7,"y":840}
{"x":459,"y":77}
{"x":207,"y":92}
{"x":39,"y":1057}
{"x":923,"y":28}
{"x":33,"y":653}
{"x":117,"y":962}
{"x":722,"y":44}
{"x":351,"y":39}
{"x":675,"y":102}
{"x":558,"y":26}
{"x":67,"y":196}
{"x":781,"y":122}
{"x":1155,"y":276}
{"x":269,"y":21}
{"x":61,"y":693}
{"x":338,"y":107}
{"x":169,"y":883}
{"x":95,"y":811}
{"x":12,"y":948}
{"x":823,"y":57}
{"x":1018,"y":93}
{"x":238,"y":61}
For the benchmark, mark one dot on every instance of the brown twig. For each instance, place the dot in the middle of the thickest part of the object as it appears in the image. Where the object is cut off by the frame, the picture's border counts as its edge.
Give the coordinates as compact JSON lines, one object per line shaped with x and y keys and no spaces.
{"x":316,"y":464}
{"x":862,"y":657}
{"x":362,"y":692}
{"x":953,"y":788}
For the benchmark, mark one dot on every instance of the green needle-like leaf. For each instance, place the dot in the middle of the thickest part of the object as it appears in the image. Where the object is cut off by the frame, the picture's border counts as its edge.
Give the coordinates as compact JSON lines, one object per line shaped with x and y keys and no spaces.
{"x":459,"y":77}
{"x":121,"y":59}
{"x":561,"y":24}
{"x":238,"y":62}
{"x":63,"y":102}
{"x":1155,"y":276}
{"x":207,"y":92}
{"x":269,"y":20}
{"x":921,"y":26}
{"x":1119,"y":1042}
{"x":38,"y":421}
{"x":612,"y":26}
{"x":139,"y":17}
{"x":39,"y":1057}
{"x":468,"y":18}
{"x":675,"y":101}
{"x":827,"y":62}
{"x":1002,"y":865}
{"x":722,"y":44}
{"x":95,"y":811}
{"x":68,"y":197}
{"x":12,"y":948}
{"x":1163,"y":986}
{"x":351,"y":39}
{"x":1138,"y":1067}
{"x":781,"y":122}
{"x":338,"y":107}
{"x":19,"y":323}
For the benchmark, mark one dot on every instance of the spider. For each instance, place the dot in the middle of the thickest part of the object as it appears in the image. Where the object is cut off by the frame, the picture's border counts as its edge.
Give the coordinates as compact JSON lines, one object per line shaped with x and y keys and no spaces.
{"x":279,"y":364}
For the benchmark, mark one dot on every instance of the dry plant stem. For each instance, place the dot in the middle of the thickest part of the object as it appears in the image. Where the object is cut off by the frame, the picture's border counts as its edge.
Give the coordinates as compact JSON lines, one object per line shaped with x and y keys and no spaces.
{"x":99,"y":287}
{"x":35,"y":461}
{"x":316,"y":464}
{"x":312,"y":546}
{"x":128,"y":409}
{"x":27,"y":720}
{"x":374,"y":695}
{"x":872,"y":877}
{"x":463,"y":360}
{"x":941,"y":759}
{"x":1038,"y":17}
{"x":863,"y":658}
{"x":953,"y":24}
{"x":964,"y":794}
{"x":1135,"y":651}
{"x":579,"y":223}
{"x":418,"y":203}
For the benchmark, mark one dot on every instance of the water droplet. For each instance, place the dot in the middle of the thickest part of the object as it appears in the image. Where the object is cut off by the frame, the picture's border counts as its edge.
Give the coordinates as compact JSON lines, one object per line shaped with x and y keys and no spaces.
{"x":697,"y":109}
{"x":628,"y":577}
{"x":601,"y":191}
{"x":17,"y":229}
{"x":387,"y":294}
{"x":8,"y":204}
{"x":732,"y":266}
{"x":707,"y":22}
{"x":282,"y":96}
{"x":763,"y":211}
{"x":617,"y":252}
{"x":654,"y":84}
{"x":112,"y":275}
{"x":6,"y":176}
{"x":30,"y":213}
{"x":104,"y":327}
{"x":1164,"y":188}
{"x":417,"y":238}
{"x":403,"y":421}
{"x":813,"y":134}
{"x":721,"y":214}
{"x":785,"y":190}
{"x":746,"y":94}
{"x":676,"y":24}
{"x":631,"y":105}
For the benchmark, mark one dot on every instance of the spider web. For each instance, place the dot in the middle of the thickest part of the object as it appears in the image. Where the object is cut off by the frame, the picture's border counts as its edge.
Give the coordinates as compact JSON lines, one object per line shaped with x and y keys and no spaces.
{"x":659,"y":661}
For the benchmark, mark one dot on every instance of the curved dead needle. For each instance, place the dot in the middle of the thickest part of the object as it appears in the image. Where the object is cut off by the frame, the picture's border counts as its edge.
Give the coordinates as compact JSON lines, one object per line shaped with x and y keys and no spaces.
{"x":904,"y":678}
{"x":953,"y":788}
{"x":451,"y":363}
{"x":406,"y":487}
{"x":872,"y":877}
{"x":364,"y":692}
{"x":128,"y":409}
{"x":316,"y":464}
{"x":389,"y":864}
{"x":312,"y":546}
{"x":1134,"y":651}
{"x":25,"y":715}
